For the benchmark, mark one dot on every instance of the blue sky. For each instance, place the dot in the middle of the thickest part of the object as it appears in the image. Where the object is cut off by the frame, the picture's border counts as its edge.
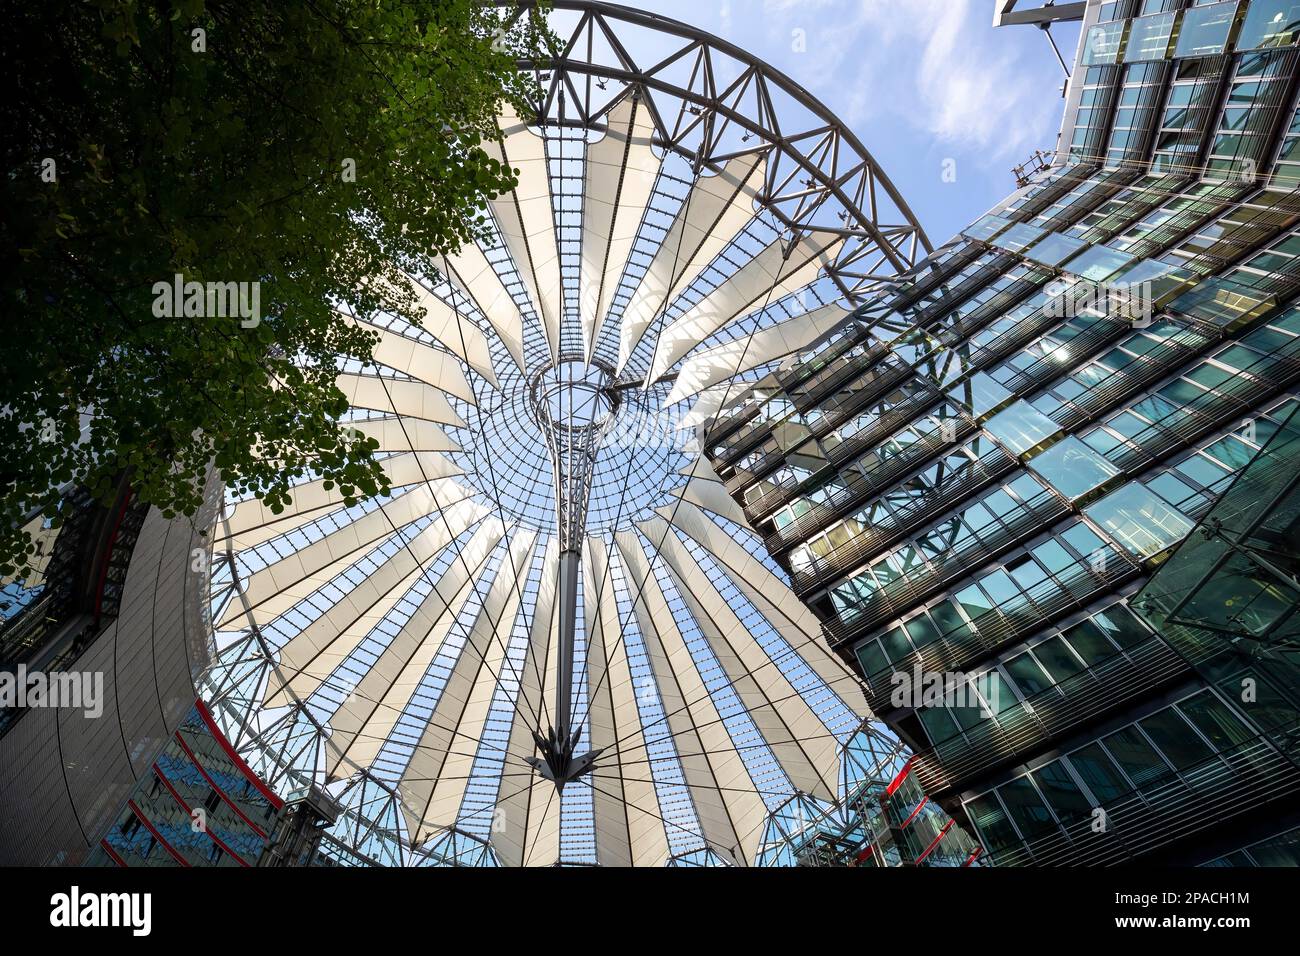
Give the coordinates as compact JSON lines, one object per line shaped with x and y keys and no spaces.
{"x":919,"y":81}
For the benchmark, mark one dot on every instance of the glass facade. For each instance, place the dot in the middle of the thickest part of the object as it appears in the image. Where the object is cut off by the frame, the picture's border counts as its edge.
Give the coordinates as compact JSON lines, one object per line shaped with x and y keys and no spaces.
{"x":881,"y":818}
{"x":1229,"y":598}
{"x":978,"y":471}
{"x":199,"y":805}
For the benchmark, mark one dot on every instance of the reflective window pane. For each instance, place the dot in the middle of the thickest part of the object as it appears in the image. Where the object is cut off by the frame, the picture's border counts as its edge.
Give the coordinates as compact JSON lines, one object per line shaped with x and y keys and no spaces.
{"x":1026,"y":808}
{"x":1270,"y":23}
{"x":1099,"y":773}
{"x":1020,"y":427}
{"x":1099,"y":263}
{"x":1072,"y":468}
{"x":1102,"y":44}
{"x":1054,"y":249}
{"x":1148,"y":38}
{"x":1139,"y":520}
{"x":1204,"y":30}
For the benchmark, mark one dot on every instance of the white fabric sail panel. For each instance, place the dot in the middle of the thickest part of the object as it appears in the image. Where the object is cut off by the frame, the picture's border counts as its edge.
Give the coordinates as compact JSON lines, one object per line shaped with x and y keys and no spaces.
{"x":405,"y":434}
{"x":765,"y":278}
{"x":734,"y":557}
{"x":436,"y":778}
{"x":769,"y":594}
{"x":274,"y":589}
{"x":250,"y":522}
{"x":800,"y":741}
{"x":600,"y":625}
{"x":798,"y":738}
{"x":711,"y":496}
{"x":471,"y":271}
{"x":712,"y":402}
{"x":413,"y":467}
{"x":461,"y":336}
{"x":518,"y":824}
{"x":729,"y":810}
{"x":700,"y":469}
{"x":543,"y":836}
{"x":410,"y":399}
{"x":315,"y":651}
{"x":629,"y":831}
{"x":620,"y":175}
{"x":422,"y":362}
{"x":714,"y":212}
{"x":543,"y":845}
{"x":540,"y":804}
{"x":526,"y":220}
{"x":365,"y":720}
{"x":721,"y":362}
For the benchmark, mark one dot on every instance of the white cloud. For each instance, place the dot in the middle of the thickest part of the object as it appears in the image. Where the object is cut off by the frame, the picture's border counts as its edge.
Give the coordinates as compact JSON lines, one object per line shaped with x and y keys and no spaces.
{"x":939,"y":65}
{"x":974,"y":93}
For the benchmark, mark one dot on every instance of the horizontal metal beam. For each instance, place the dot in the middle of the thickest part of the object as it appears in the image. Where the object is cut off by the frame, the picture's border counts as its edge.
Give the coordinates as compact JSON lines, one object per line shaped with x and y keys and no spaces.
{"x":1005,"y":13}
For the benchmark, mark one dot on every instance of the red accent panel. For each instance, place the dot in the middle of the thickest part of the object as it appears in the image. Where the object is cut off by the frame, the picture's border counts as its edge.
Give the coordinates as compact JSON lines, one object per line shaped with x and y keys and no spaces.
{"x":974,"y":856}
{"x":902,"y":774}
{"x":934,"y":843}
{"x":108,"y":552}
{"x":213,"y":784}
{"x":190,"y":812}
{"x":156,"y":835}
{"x":919,"y":807}
{"x":244,"y":768}
{"x":111,"y":853}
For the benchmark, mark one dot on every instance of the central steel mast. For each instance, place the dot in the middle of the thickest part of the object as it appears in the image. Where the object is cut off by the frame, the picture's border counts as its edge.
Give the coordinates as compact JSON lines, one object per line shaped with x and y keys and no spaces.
{"x":574,"y":403}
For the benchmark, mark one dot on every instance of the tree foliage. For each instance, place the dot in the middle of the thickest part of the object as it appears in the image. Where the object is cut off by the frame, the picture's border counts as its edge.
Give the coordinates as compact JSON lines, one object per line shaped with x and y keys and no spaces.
{"x":215,"y":140}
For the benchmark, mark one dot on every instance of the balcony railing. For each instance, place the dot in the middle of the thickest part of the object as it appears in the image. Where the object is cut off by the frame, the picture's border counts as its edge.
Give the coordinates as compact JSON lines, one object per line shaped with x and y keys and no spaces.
{"x":84,"y":581}
{"x":1046,"y":602}
{"x":995,"y":268}
{"x":770,"y":455}
{"x":1048,"y":195}
{"x":1244,"y":779}
{"x":925,"y":280}
{"x":742,"y":439}
{"x":872,"y":541}
{"x":1207,"y":414}
{"x":1049,"y":715}
{"x":1047,"y":369}
{"x":1158,"y":363}
{"x":905,"y":411}
{"x":913,"y":587}
{"x":810,"y":393}
{"x":29,"y":629}
{"x":859,"y":487}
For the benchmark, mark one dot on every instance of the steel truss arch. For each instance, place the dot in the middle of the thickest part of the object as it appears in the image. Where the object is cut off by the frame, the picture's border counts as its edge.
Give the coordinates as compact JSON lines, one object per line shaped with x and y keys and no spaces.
{"x":830,"y":182}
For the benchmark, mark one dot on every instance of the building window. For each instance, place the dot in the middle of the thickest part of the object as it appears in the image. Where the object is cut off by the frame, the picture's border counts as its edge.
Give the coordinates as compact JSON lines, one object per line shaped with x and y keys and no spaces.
{"x":1139,"y":520}
{"x":1054,"y":249}
{"x":1100,"y":263}
{"x":1270,"y":23}
{"x":1205,"y":30}
{"x":1021,"y":427}
{"x":1072,"y":468}
{"x":1103,"y":43}
{"x":1149,"y":38}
